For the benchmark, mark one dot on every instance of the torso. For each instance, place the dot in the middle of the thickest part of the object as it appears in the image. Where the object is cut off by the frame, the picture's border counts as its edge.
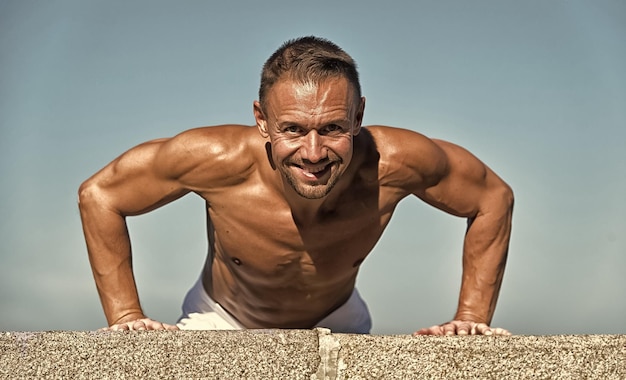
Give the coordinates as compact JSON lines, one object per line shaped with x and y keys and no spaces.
{"x":269,"y":269}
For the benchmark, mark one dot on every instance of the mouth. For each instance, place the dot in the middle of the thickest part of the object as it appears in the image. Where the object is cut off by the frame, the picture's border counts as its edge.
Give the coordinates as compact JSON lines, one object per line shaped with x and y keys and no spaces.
{"x":313,"y":172}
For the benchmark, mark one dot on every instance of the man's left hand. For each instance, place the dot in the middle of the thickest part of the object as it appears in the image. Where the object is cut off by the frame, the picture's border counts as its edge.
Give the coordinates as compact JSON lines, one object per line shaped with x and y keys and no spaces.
{"x":462,"y":328}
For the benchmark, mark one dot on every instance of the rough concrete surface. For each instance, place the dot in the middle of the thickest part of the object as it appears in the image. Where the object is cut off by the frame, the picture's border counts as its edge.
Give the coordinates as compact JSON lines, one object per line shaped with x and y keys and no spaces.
{"x":481,"y":357}
{"x":305,"y":354}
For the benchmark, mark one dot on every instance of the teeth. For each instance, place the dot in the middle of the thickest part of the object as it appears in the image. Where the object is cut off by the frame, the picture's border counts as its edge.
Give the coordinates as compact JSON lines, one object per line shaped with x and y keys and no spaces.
{"x":310,"y":172}
{"x":315,"y":170}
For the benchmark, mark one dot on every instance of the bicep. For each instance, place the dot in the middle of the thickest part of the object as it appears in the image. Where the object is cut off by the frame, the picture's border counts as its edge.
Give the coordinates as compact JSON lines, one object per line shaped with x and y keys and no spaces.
{"x":135,"y":182}
{"x":464,"y":184}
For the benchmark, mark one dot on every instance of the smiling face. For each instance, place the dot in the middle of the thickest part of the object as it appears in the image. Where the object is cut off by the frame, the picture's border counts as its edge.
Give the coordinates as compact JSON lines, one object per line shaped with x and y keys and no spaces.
{"x":310,"y":128}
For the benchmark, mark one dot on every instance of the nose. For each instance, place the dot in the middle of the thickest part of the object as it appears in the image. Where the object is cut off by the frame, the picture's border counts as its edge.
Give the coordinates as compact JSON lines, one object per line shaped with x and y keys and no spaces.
{"x":312,"y":147}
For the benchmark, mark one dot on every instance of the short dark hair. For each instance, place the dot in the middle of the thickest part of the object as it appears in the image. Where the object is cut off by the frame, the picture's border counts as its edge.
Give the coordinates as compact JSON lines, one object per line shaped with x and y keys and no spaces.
{"x":308,"y":59}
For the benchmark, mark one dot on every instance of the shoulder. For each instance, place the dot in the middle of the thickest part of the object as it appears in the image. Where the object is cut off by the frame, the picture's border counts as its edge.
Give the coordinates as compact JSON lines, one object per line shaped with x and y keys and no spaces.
{"x":209,"y":155}
{"x":210,"y":141}
{"x":394,"y":140}
{"x":408,"y":159}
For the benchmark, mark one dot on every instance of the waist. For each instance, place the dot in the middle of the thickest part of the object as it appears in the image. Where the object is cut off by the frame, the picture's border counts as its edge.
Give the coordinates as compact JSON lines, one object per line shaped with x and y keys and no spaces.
{"x":278,"y":307}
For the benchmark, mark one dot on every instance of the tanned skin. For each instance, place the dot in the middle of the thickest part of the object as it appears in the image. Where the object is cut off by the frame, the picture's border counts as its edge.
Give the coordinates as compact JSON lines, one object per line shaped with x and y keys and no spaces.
{"x":295,"y":205}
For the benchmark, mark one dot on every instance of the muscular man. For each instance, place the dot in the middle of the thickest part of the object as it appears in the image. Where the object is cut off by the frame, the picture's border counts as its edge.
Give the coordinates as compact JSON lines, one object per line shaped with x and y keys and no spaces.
{"x":294,"y":206}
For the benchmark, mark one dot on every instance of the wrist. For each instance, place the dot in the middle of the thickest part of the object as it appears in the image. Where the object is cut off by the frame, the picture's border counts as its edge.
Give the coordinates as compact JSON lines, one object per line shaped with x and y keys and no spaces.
{"x":127,"y":317}
{"x":471,"y":317}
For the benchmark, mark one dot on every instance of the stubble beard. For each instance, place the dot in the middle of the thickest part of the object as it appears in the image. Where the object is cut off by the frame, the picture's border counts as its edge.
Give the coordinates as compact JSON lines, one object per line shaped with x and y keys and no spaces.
{"x":312,"y":191}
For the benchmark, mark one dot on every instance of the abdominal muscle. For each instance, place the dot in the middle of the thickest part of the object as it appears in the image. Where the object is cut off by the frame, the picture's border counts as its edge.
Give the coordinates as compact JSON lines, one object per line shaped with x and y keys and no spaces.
{"x":292,"y":297}
{"x":284,"y":276}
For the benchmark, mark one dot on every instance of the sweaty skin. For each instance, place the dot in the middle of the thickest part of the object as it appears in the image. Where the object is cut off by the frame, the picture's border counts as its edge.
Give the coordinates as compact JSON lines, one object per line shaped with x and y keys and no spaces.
{"x":294,"y":207}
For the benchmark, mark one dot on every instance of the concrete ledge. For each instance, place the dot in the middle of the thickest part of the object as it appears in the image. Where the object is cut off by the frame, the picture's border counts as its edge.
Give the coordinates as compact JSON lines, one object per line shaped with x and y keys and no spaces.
{"x":306,"y":354}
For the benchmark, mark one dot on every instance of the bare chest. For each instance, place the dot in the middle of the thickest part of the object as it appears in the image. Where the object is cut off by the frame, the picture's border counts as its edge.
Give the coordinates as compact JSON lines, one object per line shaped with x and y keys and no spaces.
{"x":260,"y":238}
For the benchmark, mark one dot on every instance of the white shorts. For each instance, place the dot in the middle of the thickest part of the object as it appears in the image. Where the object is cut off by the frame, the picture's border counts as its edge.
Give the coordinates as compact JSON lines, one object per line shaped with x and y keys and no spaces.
{"x":201,"y":312}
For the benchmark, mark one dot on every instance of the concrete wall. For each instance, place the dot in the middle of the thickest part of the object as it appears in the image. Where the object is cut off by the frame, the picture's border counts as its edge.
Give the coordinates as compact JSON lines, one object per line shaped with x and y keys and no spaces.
{"x":305,"y":354}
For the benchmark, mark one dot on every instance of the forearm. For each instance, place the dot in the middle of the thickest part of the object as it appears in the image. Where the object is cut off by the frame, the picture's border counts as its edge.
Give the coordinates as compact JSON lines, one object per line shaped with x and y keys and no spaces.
{"x":484,"y":259}
{"x":108,"y":246}
{"x":118,"y":294}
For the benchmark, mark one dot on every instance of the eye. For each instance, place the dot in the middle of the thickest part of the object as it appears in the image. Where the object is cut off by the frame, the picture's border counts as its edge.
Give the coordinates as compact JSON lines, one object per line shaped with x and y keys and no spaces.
{"x":332,"y":128}
{"x":291,"y":129}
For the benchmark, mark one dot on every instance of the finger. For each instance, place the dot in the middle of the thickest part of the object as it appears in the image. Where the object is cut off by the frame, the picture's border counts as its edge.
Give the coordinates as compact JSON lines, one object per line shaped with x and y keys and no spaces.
{"x":421,"y":332}
{"x":119,"y":327}
{"x":449,"y":329}
{"x":433,"y":330}
{"x":501,"y":331}
{"x":138,"y":325}
{"x":158,"y":326}
{"x":483,"y":329}
{"x":464,"y":328}
{"x":152,"y":325}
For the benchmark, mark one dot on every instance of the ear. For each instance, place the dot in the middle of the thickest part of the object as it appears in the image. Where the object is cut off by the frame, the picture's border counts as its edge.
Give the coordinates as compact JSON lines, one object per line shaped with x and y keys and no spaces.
{"x":359,"y":117}
{"x":259,"y":116}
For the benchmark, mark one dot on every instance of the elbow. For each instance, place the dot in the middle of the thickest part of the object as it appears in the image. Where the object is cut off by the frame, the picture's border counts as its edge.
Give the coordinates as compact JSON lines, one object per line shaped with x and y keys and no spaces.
{"x":83,"y":193}
{"x":510,"y":197}
{"x":88,"y":194}
{"x":506,"y":196}
{"x":499,"y":198}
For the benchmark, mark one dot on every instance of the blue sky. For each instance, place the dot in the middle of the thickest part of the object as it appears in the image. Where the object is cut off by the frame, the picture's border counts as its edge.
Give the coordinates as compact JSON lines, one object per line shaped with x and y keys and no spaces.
{"x":536,"y":89}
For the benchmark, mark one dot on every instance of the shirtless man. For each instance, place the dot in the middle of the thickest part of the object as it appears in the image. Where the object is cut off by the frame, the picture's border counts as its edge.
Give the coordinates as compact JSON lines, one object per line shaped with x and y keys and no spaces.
{"x":294,"y":206}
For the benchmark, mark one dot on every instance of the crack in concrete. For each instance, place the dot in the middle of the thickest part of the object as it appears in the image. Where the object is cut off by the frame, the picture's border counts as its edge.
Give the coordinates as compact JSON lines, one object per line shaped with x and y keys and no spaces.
{"x":332,"y":366}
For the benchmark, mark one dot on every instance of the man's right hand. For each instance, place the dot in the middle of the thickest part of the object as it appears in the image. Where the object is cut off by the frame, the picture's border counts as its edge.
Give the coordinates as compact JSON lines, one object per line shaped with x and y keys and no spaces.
{"x":140,"y":324}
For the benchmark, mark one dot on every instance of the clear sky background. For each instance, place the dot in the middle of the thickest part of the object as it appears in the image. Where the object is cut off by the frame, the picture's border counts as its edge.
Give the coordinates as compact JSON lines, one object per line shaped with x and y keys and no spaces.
{"x":536,"y":89}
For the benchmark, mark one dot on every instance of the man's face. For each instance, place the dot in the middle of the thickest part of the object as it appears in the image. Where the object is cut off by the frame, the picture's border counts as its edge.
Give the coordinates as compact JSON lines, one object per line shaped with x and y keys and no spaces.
{"x":310,"y":129}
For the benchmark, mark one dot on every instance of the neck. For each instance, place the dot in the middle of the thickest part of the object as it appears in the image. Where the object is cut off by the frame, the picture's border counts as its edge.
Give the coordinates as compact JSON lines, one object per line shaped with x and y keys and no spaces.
{"x":305,"y":210}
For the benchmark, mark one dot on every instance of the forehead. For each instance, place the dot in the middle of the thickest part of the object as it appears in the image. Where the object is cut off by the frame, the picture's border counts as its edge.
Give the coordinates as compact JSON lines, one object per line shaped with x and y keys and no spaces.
{"x":313,"y":96}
